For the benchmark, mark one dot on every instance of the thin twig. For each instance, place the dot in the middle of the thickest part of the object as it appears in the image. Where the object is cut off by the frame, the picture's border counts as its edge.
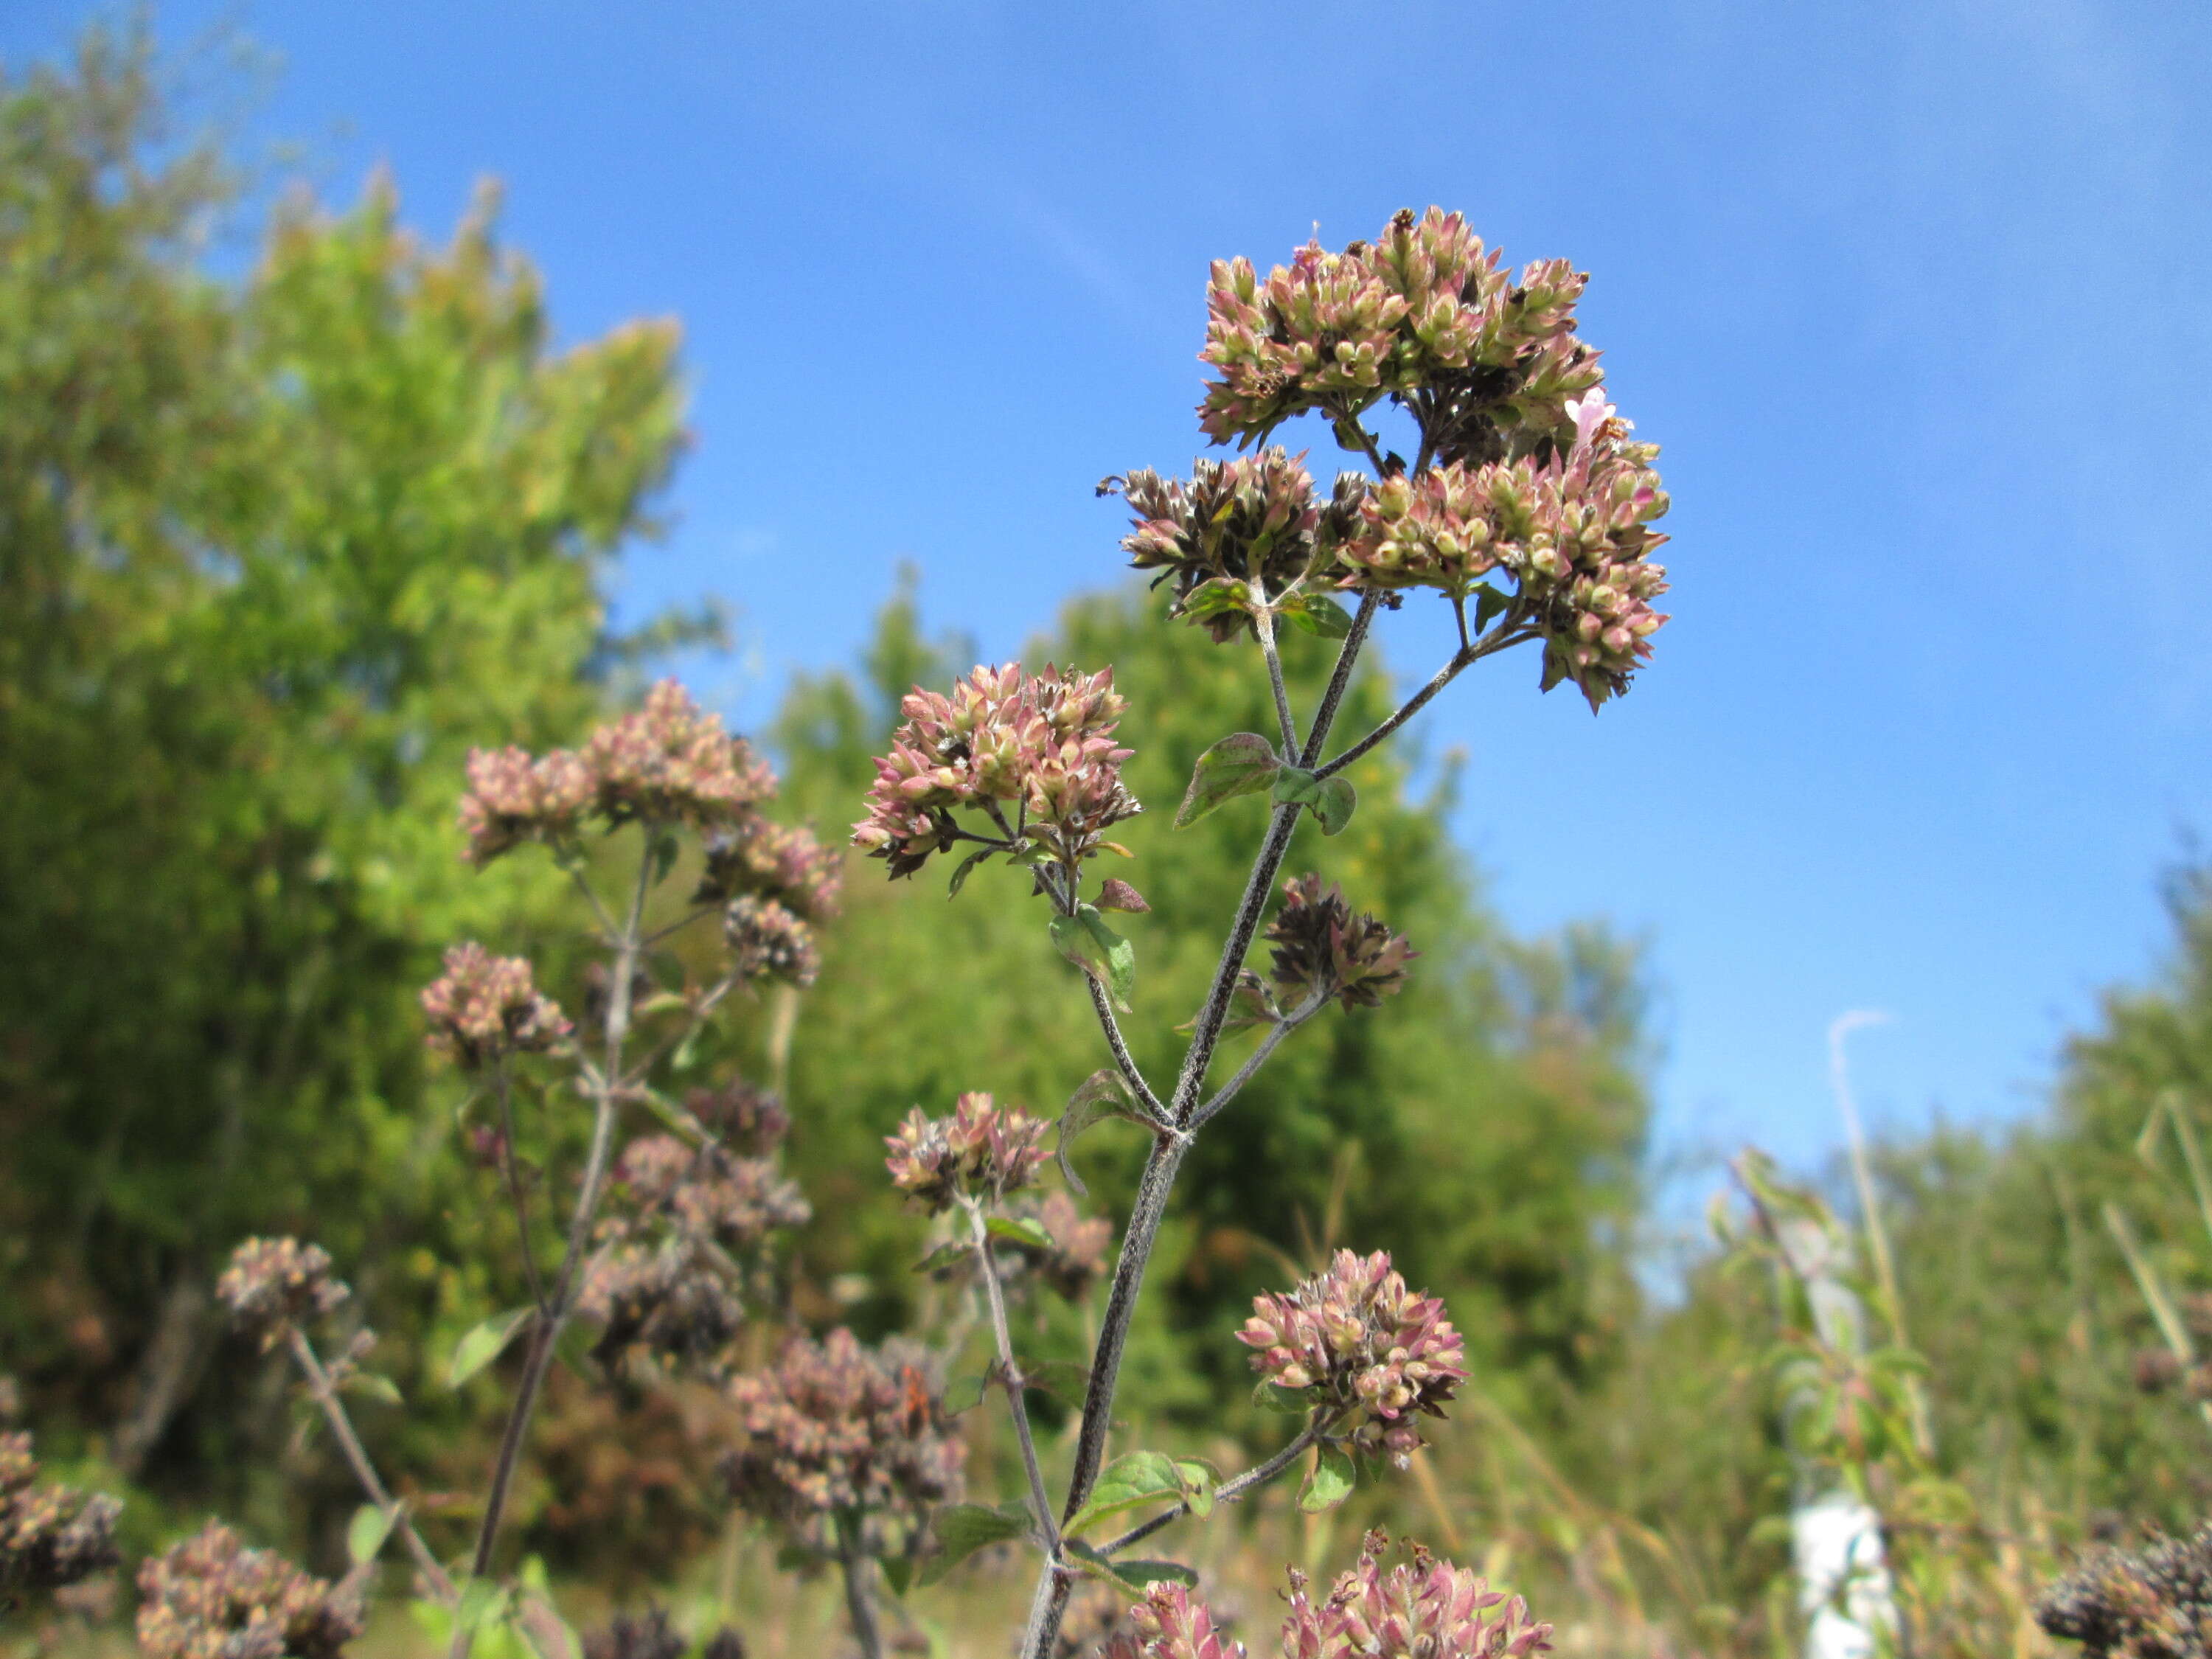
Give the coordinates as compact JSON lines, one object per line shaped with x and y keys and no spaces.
{"x":1282,"y":1028}
{"x":515,"y":1195}
{"x":1507,"y":633}
{"x":1236,"y":1487}
{"x":1009,"y":1376}
{"x":334,"y":1411}
{"x":598,"y":909}
{"x":675,"y":927}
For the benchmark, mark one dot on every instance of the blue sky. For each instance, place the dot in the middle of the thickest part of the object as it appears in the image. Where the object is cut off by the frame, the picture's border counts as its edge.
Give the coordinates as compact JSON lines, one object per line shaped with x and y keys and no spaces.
{"x":1915,"y":295}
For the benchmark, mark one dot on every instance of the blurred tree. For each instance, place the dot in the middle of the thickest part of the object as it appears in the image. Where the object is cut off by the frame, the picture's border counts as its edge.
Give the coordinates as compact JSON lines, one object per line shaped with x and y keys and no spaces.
{"x":273,"y":554}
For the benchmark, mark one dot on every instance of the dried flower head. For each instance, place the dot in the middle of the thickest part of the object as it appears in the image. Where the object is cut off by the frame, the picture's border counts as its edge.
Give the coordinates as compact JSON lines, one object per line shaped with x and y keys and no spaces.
{"x":212,"y":1598}
{"x":708,"y":1193}
{"x":2155,"y":1603}
{"x":273,"y":1284}
{"x":768,"y":942}
{"x":1234,"y":521}
{"x":512,"y":798}
{"x":661,"y":1300}
{"x":1423,"y":1608}
{"x":51,"y":1536}
{"x":660,"y":1281}
{"x":483,"y":1007}
{"x":756,"y":858}
{"x":672,"y":763}
{"x":838,"y":1426}
{"x":1320,"y":946}
{"x":636,"y":1635}
{"x":749,"y":1122}
{"x":983,"y":1149}
{"x":1355,"y":1339}
{"x":1170,"y":1623}
{"x":1039,"y":744}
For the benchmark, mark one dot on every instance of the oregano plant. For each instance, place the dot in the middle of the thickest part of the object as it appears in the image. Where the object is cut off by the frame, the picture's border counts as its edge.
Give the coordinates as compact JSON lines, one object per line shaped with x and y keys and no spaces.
{"x":1528,"y":508}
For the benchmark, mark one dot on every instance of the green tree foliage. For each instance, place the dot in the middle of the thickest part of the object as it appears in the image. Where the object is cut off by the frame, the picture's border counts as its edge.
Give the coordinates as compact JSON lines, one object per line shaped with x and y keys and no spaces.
{"x":1493,"y":1116}
{"x":2013,"y":1271}
{"x":276,"y":552}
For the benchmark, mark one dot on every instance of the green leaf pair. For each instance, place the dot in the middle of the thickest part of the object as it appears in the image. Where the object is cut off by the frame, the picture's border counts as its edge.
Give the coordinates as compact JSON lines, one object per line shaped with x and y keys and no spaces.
{"x":1331,"y":801}
{"x":1244,"y":763}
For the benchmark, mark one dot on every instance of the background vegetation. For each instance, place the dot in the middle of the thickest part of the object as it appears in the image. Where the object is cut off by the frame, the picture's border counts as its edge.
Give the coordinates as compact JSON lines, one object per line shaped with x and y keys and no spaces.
{"x":276,"y":550}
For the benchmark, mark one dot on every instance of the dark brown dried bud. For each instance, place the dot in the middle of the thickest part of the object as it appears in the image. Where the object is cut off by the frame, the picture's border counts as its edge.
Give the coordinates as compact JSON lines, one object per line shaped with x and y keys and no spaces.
{"x":768,"y":942}
{"x":1117,"y":895}
{"x":636,"y":1636}
{"x":51,"y":1536}
{"x":1320,"y":946}
{"x":751,"y":1123}
{"x":2155,"y":1603}
{"x":2156,"y":1370}
{"x":272,"y":1285}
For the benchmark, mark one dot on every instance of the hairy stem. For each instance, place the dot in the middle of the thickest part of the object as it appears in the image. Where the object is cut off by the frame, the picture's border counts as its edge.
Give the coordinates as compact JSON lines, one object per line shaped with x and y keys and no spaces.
{"x":1011,"y":1377}
{"x":1263,"y":621}
{"x":544,"y":1331}
{"x":1169,"y":1146}
{"x":1124,"y":1061}
{"x":334,"y":1413}
{"x":1237,"y":1486}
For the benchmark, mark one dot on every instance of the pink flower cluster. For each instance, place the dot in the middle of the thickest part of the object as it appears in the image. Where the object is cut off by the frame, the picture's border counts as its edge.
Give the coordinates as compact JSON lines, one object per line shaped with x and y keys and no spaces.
{"x":51,"y":1536}
{"x":1423,"y":1608}
{"x":1170,"y":1623}
{"x":274,"y":1283}
{"x":212,"y":1598}
{"x":1319,"y":945}
{"x":483,"y":1007}
{"x":1354,"y":1338}
{"x":838,"y":1426}
{"x":1422,"y":313}
{"x":1039,"y":744}
{"x":1255,"y":516}
{"x":1573,"y":532}
{"x":983,"y":1149}
{"x":669,"y":763}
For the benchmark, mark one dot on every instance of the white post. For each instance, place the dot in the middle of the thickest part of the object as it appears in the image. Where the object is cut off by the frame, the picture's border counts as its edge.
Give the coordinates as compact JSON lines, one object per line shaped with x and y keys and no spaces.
{"x":1835,"y":1539}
